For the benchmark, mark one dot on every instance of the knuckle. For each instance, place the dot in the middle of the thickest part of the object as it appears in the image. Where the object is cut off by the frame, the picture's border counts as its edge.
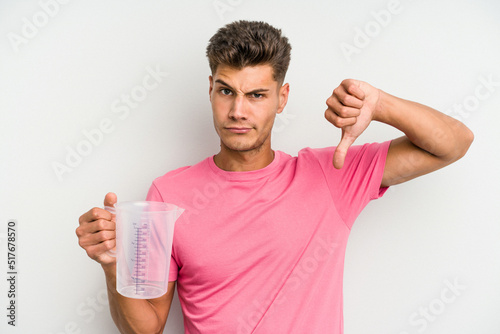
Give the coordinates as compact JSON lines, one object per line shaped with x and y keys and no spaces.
{"x":100,"y":224}
{"x":337,"y":123}
{"x":104,"y":236}
{"x":108,"y":244}
{"x":329,"y":101}
{"x":327,"y":114}
{"x":348,"y":100}
{"x":95,"y":212}
{"x":110,"y":235}
{"x":331,"y":117}
{"x":343,"y":111}
{"x":336,"y":92}
{"x":350,"y":85}
{"x":340,"y":123}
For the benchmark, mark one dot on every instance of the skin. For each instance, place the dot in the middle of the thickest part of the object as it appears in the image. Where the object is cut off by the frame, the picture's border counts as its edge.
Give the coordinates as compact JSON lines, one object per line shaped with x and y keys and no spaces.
{"x":432,"y":139}
{"x":245,"y":103}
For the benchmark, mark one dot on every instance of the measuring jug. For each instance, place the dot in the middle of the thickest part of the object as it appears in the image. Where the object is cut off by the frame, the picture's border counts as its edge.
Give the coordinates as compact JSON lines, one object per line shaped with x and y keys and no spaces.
{"x":144,"y":234}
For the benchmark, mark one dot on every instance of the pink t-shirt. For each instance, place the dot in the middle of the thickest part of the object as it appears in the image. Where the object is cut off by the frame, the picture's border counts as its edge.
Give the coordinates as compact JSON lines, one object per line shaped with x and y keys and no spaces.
{"x":263,"y":251}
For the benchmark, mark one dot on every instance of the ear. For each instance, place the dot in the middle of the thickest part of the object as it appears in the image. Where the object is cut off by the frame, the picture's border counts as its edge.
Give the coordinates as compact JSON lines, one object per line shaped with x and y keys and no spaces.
{"x":283,"y":97}
{"x":211,"y":80}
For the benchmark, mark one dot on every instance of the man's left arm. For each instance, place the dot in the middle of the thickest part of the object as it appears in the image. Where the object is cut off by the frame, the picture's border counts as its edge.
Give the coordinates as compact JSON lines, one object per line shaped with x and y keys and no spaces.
{"x":432,"y":139}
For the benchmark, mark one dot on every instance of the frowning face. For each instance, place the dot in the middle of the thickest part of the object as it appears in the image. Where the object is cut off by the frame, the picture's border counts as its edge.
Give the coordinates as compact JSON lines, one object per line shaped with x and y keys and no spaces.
{"x":245,"y":103}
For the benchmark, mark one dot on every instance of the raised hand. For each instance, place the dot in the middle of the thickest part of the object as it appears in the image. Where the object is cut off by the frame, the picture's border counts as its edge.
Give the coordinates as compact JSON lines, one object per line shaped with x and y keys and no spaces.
{"x":351,"y":108}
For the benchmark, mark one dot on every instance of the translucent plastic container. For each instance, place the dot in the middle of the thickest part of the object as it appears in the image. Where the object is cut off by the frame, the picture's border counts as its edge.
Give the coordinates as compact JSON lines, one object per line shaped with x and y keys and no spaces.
{"x":144,"y":234}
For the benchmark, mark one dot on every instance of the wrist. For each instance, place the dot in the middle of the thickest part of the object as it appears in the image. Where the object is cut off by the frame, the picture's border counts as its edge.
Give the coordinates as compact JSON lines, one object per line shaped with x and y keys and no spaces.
{"x":381,"y":109}
{"x":109,"y":270}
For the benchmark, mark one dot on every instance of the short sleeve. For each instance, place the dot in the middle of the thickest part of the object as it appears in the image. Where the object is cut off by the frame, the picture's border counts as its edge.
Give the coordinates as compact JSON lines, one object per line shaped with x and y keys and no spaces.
{"x":358,"y":181}
{"x":154,"y":195}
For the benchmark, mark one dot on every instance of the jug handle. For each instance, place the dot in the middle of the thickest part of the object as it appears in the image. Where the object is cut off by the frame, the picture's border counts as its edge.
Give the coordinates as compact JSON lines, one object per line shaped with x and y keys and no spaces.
{"x":112,"y":210}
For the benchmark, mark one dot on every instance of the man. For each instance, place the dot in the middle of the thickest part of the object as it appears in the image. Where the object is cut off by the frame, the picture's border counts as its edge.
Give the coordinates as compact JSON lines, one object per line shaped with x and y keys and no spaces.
{"x":264,"y":252}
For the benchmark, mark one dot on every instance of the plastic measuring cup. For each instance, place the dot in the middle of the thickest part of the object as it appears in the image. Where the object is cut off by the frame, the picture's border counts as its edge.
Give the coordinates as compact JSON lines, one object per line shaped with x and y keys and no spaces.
{"x":144,"y":234}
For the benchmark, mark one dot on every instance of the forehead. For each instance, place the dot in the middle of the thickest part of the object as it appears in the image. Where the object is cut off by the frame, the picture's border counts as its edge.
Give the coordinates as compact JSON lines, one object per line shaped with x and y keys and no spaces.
{"x":249,"y":77}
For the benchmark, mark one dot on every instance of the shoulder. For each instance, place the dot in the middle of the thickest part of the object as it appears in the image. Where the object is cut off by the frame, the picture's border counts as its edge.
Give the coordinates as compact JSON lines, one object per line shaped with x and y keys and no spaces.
{"x":180,"y":174}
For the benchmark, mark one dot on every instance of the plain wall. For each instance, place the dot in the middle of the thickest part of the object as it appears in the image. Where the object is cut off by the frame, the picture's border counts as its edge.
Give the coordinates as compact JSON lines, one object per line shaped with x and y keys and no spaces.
{"x":66,"y":69}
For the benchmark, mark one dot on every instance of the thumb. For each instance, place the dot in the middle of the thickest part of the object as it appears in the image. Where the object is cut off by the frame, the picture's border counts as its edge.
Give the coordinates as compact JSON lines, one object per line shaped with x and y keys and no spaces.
{"x":341,"y":150}
{"x":110,"y":199}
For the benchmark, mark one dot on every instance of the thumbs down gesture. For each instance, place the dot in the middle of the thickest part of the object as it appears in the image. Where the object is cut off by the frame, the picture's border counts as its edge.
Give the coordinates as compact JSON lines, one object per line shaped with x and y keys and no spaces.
{"x":351,"y":107}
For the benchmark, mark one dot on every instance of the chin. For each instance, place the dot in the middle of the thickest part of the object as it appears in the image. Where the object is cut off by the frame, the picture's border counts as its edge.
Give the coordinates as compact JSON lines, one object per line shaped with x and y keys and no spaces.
{"x":241,"y":146}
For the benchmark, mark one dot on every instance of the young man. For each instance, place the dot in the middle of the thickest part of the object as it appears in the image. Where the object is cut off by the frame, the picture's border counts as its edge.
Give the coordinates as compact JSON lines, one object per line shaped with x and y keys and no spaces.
{"x":264,"y":253}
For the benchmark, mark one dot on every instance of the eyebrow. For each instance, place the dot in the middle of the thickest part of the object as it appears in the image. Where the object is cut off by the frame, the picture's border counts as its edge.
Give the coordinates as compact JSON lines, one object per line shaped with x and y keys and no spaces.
{"x":255,"y":91}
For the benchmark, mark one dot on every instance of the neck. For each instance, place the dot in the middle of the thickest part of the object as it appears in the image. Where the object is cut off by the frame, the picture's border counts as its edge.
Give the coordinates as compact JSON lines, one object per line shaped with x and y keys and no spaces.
{"x":243,"y":161}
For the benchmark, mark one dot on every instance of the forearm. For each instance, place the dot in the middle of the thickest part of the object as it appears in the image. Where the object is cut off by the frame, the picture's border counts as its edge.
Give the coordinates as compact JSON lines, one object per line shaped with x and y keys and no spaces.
{"x":130,"y":315}
{"x":429,"y":129}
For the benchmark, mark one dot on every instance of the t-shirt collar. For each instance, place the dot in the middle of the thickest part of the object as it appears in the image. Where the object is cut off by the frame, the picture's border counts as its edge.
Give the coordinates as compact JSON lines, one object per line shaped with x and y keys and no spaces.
{"x":248,"y":175}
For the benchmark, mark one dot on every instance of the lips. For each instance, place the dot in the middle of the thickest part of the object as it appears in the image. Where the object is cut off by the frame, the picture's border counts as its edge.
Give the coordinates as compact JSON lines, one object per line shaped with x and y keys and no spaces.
{"x":238,"y":129}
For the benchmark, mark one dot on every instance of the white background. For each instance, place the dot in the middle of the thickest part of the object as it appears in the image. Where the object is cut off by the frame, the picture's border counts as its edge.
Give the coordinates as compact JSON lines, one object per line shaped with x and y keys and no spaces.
{"x":64,"y":76}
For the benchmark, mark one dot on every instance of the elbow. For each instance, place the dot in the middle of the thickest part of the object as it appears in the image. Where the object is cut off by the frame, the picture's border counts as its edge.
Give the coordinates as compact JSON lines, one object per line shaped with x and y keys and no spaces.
{"x":468,"y":138}
{"x":463,"y":142}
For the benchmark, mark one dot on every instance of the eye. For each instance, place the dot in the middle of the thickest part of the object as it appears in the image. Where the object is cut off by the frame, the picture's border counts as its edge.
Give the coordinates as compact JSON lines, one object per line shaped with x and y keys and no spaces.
{"x":257,"y":95}
{"x":225,"y":91}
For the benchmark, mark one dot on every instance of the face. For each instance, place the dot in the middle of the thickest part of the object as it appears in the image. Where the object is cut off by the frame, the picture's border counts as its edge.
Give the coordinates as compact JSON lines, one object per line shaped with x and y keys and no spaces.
{"x":244,"y":104}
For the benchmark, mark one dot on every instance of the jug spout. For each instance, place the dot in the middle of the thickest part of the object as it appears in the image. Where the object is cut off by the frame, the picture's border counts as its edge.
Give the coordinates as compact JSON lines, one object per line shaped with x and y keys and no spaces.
{"x":174,"y":211}
{"x":178,"y":212}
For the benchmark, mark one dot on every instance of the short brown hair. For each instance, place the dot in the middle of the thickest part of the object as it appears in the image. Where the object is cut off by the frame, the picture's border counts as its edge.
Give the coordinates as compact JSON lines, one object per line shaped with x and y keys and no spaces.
{"x":250,"y":43}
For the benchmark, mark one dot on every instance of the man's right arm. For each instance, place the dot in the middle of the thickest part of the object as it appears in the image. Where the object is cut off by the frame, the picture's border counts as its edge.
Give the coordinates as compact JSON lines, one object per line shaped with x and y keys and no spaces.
{"x":96,"y":234}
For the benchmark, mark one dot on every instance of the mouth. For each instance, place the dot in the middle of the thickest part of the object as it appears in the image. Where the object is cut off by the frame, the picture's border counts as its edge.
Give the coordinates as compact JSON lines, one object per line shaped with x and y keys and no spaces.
{"x":238,"y":129}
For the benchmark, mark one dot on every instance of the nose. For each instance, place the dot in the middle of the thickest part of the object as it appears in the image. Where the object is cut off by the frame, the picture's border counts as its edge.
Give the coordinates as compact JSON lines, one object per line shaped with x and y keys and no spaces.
{"x":238,"y":108}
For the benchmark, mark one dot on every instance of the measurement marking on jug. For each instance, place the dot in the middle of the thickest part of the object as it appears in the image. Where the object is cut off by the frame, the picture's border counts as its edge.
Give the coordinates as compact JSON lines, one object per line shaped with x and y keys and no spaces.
{"x":12,"y":275}
{"x":141,"y":255}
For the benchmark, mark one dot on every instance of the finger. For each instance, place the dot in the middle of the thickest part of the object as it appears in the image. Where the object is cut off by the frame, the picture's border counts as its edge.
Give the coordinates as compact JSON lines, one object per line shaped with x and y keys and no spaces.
{"x":97,"y":250}
{"x":95,"y":232}
{"x":98,"y":225}
{"x":338,"y":121}
{"x":341,"y":150}
{"x":352,"y":87}
{"x":345,"y":98}
{"x":110,"y":199}
{"x":95,"y":214}
{"x":93,"y":239}
{"x":341,"y":109}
